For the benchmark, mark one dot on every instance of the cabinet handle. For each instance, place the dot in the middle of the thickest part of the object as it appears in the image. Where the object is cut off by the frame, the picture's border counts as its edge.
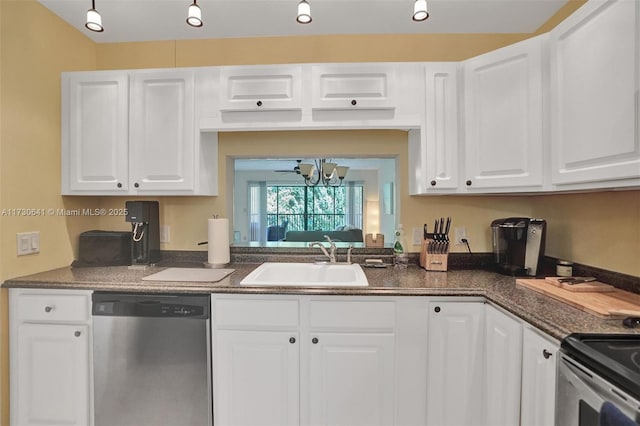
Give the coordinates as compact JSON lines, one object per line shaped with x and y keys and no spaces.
{"x":119,"y":185}
{"x":437,"y":309}
{"x":137,"y":185}
{"x":433,"y":183}
{"x":314,"y":340}
{"x":354,"y":102}
{"x":292,"y":340}
{"x":469,"y":183}
{"x":48,"y":309}
{"x":77,"y":334}
{"x":546,"y":354}
{"x":259,"y":103}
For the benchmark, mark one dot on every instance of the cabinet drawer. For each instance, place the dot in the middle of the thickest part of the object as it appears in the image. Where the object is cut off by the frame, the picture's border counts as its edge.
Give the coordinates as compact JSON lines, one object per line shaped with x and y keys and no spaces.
{"x":53,"y":307}
{"x":256,"y":313}
{"x":352,"y":315}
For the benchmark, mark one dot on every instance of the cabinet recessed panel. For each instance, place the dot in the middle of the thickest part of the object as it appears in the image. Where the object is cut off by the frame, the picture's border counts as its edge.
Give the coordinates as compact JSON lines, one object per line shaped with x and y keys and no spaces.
{"x":595,"y":81}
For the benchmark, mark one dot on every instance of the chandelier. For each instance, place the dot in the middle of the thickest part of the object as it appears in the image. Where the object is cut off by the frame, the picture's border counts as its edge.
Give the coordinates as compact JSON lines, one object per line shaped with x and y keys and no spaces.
{"x":322,"y":171}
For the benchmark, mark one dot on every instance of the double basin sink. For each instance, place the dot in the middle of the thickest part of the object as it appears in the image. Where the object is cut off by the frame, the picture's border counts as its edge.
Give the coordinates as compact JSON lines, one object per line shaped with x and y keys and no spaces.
{"x":306,"y":274}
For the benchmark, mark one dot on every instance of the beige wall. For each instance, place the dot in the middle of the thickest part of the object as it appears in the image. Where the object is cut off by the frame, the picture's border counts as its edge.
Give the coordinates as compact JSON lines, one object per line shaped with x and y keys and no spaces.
{"x":35,"y":46}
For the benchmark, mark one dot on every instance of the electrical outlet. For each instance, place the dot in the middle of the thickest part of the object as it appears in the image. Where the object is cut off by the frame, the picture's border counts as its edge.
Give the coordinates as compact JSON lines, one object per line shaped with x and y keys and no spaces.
{"x":165,"y":232}
{"x":460,"y":233}
{"x":417,"y":236}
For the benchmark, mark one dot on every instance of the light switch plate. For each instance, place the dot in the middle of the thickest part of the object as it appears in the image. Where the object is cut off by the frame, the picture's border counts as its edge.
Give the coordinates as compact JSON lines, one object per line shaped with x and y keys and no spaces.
{"x":417,"y":236}
{"x":27,"y":243}
{"x":165,"y":233}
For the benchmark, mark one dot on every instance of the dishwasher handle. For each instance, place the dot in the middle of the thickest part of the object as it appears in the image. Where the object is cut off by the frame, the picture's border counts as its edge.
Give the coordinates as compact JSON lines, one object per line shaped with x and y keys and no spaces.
{"x":188,"y":306}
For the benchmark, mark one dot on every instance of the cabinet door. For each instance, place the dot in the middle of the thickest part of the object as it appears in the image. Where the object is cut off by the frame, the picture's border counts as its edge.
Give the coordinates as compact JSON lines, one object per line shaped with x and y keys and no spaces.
{"x":353,"y":86}
{"x":162,"y":130}
{"x":503,"y":368}
{"x":595,"y":78}
{"x":539,"y":360}
{"x":455,"y":364}
{"x":441,"y":125}
{"x":95,"y":132}
{"x":503,"y":123}
{"x":52,"y":375}
{"x":351,"y":379}
{"x":260,"y":88}
{"x":256,"y":378}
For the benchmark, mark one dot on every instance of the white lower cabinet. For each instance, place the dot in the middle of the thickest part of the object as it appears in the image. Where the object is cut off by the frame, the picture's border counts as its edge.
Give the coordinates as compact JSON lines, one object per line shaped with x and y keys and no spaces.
{"x":50,"y":357}
{"x":256,"y":378}
{"x":503,"y":366}
{"x":454,"y":363}
{"x":351,"y":379}
{"x":282,"y":360}
{"x":539,"y":361}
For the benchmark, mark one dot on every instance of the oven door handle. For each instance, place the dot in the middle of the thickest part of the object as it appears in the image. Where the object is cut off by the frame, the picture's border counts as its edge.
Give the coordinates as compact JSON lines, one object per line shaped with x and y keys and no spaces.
{"x":584,"y":381}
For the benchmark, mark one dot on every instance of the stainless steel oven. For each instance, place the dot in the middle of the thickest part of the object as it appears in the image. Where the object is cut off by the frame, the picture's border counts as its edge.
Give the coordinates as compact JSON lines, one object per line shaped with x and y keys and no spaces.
{"x":599,"y":380}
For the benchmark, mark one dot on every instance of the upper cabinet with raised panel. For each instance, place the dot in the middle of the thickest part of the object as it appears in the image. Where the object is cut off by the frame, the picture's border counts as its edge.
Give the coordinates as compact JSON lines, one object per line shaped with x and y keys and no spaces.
{"x":271,"y":93}
{"x":134,"y":132}
{"x":595,"y":83}
{"x":504,"y":118}
{"x":95,"y":132}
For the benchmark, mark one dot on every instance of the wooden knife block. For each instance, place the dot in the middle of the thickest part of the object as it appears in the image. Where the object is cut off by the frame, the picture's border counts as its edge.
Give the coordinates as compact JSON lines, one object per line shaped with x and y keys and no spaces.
{"x":433,"y":261}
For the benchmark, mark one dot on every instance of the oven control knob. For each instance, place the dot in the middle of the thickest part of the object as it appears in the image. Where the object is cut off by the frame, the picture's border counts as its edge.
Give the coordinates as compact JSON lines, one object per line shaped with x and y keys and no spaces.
{"x":546,"y":354}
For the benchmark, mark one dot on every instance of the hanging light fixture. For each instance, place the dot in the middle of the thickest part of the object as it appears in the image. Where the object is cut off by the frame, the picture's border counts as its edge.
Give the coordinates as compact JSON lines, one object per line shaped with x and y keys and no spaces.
{"x":323,"y":172}
{"x":194,"y":15}
{"x":420,"y":10}
{"x":304,"y":12}
{"x":94,"y":20}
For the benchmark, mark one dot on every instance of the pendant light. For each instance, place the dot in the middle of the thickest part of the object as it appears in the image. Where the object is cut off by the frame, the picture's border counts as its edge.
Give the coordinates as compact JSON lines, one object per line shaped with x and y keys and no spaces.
{"x":194,"y":16}
{"x":420,"y":10}
{"x":94,"y":20}
{"x":304,"y":12}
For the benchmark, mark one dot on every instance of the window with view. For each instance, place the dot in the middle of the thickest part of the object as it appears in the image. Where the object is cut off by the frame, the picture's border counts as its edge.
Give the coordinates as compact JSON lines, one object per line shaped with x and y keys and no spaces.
{"x":303,"y":208}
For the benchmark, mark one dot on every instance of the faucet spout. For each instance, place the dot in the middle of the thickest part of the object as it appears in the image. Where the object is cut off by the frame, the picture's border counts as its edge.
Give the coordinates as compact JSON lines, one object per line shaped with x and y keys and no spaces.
{"x":331,"y":254}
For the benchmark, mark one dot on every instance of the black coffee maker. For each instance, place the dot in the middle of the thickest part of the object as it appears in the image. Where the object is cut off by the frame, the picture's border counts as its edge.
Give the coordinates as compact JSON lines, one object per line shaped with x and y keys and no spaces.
{"x":145,"y":229}
{"x":518,"y":245}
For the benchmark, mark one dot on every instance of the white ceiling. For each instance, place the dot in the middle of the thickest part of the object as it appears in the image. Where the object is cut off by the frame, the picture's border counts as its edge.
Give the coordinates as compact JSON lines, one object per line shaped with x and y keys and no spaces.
{"x":147,"y":20}
{"x":269,"y":164}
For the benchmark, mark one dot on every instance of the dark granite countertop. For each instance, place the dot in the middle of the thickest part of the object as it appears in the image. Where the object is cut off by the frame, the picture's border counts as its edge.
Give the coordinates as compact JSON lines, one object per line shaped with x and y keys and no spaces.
{"x":553,"y":317}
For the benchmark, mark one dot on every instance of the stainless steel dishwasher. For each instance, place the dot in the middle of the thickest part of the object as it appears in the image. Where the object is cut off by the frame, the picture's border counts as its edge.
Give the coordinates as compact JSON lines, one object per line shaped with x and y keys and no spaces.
{"x":151,"y":359}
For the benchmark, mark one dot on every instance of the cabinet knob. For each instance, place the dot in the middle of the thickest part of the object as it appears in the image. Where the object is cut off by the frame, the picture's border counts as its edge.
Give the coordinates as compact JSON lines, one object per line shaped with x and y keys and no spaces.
{"x":259,"y":103}
{"x":48,"y":308}
{"x":354,"y":102}
{"x":433,"y":183}
{"x":77,"y":334}
{"x":314,"y":340}
{"x":119,"y":185}
{"x":546,"y":354}
{"x":292,"y":340}
{"x":137,"y":185}
{"x":469,"y":183}
{"x":437,"y":309}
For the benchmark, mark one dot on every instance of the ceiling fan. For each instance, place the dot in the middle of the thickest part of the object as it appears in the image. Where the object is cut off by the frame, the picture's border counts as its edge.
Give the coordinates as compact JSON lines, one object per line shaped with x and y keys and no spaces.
{"x":295,"y":169}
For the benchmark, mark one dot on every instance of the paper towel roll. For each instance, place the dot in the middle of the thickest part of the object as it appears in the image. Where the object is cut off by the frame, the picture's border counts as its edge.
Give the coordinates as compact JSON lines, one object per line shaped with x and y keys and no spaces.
{"x":218,"y":242}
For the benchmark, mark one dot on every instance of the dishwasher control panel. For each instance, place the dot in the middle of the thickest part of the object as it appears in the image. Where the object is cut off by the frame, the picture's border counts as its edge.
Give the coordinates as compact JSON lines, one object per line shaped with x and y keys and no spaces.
{"x":146,"y":305}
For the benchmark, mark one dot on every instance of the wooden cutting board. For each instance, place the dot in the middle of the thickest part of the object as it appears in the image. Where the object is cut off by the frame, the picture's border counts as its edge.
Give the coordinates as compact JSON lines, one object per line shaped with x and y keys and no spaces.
{"x":594,"y":286}
{"x":609,"y":305}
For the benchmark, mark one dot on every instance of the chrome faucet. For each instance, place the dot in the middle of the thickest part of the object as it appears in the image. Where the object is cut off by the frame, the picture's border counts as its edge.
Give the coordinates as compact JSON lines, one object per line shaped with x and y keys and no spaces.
{"x":331,"y":254}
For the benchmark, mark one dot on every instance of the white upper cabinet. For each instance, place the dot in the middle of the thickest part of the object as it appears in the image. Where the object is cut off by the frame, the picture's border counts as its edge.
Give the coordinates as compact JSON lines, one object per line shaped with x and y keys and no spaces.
{"x":261,"y":88}
{"x":504,"y":117}
{"x":353,"y":86}
{"x":595,"y":82}
{"x":134,"y":132}
{"x":95,"y":133}
{"x":162,"y":130}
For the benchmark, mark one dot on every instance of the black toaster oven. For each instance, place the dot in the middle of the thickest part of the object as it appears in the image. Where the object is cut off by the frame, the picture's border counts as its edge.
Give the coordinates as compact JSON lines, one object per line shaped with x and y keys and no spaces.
{"x":104,"y":248}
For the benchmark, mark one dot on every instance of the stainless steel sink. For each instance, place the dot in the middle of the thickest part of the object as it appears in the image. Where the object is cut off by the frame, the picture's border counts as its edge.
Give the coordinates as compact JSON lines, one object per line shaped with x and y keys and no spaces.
{"x":306,"y":274}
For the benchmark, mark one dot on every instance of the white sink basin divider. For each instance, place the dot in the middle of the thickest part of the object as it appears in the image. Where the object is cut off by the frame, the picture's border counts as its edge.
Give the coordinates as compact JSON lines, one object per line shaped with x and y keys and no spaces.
{"x":306,"y":274}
